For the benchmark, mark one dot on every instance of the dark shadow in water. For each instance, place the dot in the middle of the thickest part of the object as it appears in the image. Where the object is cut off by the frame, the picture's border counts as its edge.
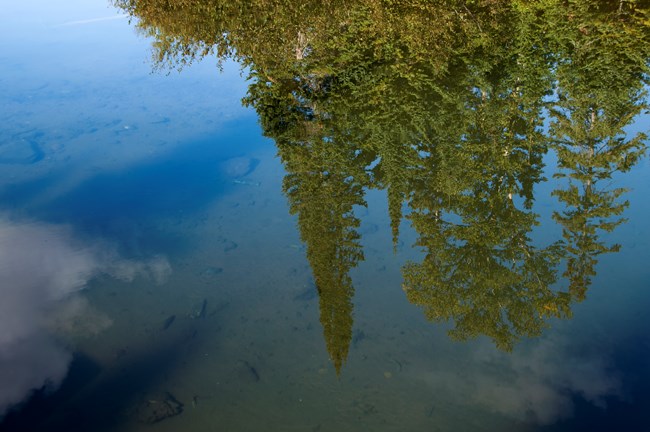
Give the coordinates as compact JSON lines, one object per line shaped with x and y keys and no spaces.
{"x":92,"y":399}
{"x":119,"y":205}
{"x":629,"y":413}
{"x":619,"y":416}
{"x":42,"y":404}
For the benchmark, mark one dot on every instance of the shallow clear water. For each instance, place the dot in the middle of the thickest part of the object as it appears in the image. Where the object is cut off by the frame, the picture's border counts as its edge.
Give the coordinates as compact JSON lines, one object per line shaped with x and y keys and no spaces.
{"x":150,"y":264}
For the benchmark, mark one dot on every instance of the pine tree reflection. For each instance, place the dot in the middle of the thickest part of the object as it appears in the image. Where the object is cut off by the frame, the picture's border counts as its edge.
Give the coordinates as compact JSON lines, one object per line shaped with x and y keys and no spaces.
{"x":451,"y":123}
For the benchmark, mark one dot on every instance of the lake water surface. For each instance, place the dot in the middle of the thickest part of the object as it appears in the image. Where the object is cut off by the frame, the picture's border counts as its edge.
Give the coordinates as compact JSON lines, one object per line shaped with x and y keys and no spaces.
{"x":155,"y":276}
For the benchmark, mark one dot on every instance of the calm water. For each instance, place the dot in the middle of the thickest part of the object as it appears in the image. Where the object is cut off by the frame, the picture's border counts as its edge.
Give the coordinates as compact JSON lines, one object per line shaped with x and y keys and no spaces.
{"x":154,"y":276}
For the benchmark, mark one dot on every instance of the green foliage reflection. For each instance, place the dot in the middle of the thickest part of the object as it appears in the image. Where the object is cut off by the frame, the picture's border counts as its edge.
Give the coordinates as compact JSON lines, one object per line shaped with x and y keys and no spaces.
{"x":451,"y":107}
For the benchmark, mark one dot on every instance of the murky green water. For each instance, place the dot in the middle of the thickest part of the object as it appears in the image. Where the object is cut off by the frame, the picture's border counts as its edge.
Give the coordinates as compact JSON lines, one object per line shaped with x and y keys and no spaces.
{"x":394,"y":255}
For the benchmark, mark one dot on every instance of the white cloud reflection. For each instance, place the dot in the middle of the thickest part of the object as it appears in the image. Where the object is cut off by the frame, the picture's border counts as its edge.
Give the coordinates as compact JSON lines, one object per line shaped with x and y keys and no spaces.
{"x":42,"y":270}
{"x":536,"y":383}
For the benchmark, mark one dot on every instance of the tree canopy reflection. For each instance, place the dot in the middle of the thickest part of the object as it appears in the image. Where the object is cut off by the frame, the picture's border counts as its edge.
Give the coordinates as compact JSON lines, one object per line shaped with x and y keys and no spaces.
{"x":451,"y":107}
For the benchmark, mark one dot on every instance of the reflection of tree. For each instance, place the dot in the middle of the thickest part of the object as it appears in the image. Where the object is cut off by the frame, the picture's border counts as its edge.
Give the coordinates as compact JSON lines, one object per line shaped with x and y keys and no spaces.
{"x":601,"y":76}
{"x":323,"y":194}
{"x":267,"y":35}
{"x":442,"y":104}
{"x":480,"y":268}
{"x":324,"y":181}
{"x":485,"y":276}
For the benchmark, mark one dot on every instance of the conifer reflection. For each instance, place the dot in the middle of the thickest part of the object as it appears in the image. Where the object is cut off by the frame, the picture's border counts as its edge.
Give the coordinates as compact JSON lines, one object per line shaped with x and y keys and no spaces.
{"x":473,"y":209}
{"x":446,"y":106}
{"x":601,"y":90}
{"x":325,"y":180}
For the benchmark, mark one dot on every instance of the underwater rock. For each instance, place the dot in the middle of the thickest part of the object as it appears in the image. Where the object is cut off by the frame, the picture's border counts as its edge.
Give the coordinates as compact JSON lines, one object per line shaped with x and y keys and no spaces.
{"x":199,"y":310}
{"x":357,"y":337}
{"x":230,"y":245}
{"x":239,"y":166}
{"x":211,"y":272}
{"x":247,"y":372}
{"x":309,"y":293}
{"x":20,"y":152}
{"x":247,"y":183}
{"x":168,"y":322}
{"x":157,"y":407}
{"x":368,"y":229}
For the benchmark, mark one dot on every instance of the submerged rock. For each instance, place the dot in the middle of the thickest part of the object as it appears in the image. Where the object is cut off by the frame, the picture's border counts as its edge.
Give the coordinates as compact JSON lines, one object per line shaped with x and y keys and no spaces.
{"x":168,"y":322}
{"x":20,"y":152}
{"x":246,"y":372}
{"x":157,"y":407}
{"x":199,"y":310}
{"x":308,"y":293}
{"x":212,"y":271}
{"x":239,"y":166}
